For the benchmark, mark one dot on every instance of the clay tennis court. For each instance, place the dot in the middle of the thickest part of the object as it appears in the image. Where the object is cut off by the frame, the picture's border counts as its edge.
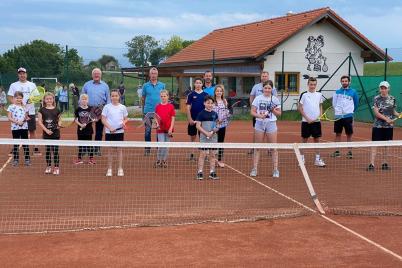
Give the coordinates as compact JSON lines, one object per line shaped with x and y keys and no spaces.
{"x":300,"y":241}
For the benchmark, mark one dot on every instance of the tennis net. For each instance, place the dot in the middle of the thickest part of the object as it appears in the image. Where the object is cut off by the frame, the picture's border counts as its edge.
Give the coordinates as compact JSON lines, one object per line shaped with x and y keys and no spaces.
{"x":83,"y":197}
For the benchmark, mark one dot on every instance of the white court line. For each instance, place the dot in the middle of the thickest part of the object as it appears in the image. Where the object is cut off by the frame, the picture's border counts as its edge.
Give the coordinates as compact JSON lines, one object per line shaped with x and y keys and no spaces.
{"x":362,"y":237}
{"x":7,"y":162}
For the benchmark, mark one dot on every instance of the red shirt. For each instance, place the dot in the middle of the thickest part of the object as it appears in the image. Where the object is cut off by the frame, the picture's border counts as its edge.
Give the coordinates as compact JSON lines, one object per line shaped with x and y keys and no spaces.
{"x":165,"y":112}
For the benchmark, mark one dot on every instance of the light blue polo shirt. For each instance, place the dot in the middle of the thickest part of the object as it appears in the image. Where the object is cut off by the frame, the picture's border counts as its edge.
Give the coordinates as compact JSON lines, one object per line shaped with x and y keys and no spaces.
{"x":210,"y":90}
{"x":152,"y":95}
{"x":98,"y":93}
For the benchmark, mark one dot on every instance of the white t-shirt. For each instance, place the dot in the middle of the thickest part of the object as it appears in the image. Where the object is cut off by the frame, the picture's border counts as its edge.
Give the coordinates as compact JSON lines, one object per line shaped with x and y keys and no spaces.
{"x":17,"y":113}
{"x":265,"y":105}
{"x":26,"y":88}
{"x":115,"y":115}
{"x":311,"y":104}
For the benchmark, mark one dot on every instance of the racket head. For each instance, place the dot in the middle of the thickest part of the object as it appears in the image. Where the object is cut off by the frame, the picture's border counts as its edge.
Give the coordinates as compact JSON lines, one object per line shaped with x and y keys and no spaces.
{"x":152,"y":120}
{"x":95,"y":114}
{"x":65,"y":120}
{"x":329,"y":115}
{"x":36,"y":96}
{"x":224,"y":117}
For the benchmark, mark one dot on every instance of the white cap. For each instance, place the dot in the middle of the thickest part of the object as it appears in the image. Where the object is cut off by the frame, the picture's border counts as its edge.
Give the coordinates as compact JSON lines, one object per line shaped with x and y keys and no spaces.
{"x":21,"y":69}
{"x":384,"y":84}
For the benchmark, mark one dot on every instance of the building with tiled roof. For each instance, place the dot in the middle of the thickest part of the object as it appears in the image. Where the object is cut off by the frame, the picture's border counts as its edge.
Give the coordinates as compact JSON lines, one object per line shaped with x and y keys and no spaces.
{"x":312,"y":43}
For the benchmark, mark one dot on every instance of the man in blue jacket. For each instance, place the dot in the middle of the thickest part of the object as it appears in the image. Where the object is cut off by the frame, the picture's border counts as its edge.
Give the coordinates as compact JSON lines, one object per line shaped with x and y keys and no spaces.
{"x":345,"y":102}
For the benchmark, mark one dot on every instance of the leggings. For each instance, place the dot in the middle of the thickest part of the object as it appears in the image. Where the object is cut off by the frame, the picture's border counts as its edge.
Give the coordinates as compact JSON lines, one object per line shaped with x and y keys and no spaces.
{"x":221,"y":138}
{"x":82,"y":150}
{"x":52,"y":149}
{"x":20,"y":134}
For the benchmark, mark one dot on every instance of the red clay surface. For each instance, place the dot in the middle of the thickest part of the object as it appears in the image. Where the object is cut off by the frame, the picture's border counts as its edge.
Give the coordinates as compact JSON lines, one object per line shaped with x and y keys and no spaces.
{"x":300,"y":242}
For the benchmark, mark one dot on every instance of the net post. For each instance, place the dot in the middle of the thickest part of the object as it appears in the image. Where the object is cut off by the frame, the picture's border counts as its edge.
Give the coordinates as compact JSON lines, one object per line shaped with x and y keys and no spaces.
{"x":307,"y":179}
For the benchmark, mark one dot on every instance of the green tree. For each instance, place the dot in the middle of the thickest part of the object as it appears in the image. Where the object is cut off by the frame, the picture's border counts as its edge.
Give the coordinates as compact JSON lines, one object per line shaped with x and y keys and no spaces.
{"x":186,"y":43}
{"x":39,"y":57}
{"x":105,"y":59}
{"x":140,"y":49}
{"x":173,"y":45}
{"x":157,"y":55}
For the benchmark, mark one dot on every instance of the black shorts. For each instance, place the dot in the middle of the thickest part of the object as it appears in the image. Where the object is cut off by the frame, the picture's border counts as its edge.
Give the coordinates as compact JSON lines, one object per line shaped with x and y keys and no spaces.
{"x":342,"y":123}
{"x":114,"y":137}
{"x":254,"y":121}
{"x":382,"y":134}
{"x":311,"y":130}
{"x":192,"y":130}
{"x":32,"y":122}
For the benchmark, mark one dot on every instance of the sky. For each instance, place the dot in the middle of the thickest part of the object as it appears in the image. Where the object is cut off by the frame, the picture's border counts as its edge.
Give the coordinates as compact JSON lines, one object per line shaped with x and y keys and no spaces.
{"x":103,"y":26}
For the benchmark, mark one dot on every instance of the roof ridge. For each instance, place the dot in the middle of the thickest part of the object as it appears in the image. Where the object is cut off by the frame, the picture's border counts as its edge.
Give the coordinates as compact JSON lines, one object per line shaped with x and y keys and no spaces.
{"x":275,"y":18}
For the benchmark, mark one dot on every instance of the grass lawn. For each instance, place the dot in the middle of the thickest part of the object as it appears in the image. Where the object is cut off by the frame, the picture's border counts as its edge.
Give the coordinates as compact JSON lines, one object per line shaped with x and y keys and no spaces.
{"x":377,"y":69}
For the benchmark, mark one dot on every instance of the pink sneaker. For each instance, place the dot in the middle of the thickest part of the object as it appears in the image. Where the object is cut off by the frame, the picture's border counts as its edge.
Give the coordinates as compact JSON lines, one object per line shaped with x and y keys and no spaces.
{"x":91,"y":161}
{"x":56,"y":171}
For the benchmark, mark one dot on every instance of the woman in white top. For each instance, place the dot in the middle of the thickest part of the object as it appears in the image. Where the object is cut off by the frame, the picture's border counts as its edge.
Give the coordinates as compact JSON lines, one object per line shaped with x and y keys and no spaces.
{"x":265,"y":108}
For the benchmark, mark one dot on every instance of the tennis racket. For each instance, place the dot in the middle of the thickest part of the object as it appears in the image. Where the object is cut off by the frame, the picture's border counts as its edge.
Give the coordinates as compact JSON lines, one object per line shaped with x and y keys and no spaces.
{"x":65,"y":120}
{"x":93,"y":115}
{"x":225,"y":114}
{"x":328,"y":115}
{"x":151,"y":120}
{"x":214,"y":126}
{"x":36,"y":95}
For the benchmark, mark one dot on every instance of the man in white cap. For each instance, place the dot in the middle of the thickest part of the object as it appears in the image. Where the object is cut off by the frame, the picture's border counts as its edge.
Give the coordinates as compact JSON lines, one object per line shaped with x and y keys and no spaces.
{"x":26,"y":87}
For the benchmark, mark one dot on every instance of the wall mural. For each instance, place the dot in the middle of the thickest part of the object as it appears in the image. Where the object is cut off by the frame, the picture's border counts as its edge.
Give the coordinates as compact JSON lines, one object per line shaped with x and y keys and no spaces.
{"x":314,"y":56}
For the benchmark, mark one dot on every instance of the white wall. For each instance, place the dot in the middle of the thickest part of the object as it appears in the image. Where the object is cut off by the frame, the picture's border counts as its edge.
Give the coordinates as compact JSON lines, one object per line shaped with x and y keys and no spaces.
{"x":336,"y":48}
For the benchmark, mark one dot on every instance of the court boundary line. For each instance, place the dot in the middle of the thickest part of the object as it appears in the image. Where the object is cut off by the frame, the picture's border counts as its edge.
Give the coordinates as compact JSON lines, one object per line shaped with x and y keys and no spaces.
{"x":334,"y":222}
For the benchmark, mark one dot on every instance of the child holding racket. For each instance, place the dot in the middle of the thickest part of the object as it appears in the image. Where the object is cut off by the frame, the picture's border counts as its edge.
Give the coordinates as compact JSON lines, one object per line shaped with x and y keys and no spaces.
{"x":221,"y":108}
{"x":265,"y":108}
{"x":114,"y":118}
{"x":49,"y":121}
{"x":195,"y":104}
{"x":84,"y":129}
{"x":206,"y":125}
{"x":18,"y":115}
{"x":310,"y":107}
{"x":383,"y":128}
{"x":166,"y":113}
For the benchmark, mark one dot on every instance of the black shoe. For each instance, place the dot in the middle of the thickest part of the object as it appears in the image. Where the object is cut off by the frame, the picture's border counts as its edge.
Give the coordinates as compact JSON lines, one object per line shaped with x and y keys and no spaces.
{"x":157,"y":164}
{"x":385,"y":166}
{"x":199,"y":176}
{"x":370,"y":167}
{"x":335,"y":154}
{"x":192,"y":158}
{"x":349,"y":155}
{"x":213,"y":176}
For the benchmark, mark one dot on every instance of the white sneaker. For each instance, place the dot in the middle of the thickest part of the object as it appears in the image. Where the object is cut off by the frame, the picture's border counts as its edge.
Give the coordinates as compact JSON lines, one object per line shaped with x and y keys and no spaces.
{"x":275,"y":173}
{"x":319,"y":163}
{"x":109,"y":172}
{"x":253,"y":172}
{"x":120,"y":172}
{"x":48,"y":170}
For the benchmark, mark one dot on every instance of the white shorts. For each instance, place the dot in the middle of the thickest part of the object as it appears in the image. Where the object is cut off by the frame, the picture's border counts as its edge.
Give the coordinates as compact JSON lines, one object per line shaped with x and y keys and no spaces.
{"x":266,"y":126}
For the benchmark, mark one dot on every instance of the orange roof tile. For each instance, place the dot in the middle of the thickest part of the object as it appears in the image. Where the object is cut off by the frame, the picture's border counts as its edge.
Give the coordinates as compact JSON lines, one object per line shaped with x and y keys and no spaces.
{"x":249,"y":41}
